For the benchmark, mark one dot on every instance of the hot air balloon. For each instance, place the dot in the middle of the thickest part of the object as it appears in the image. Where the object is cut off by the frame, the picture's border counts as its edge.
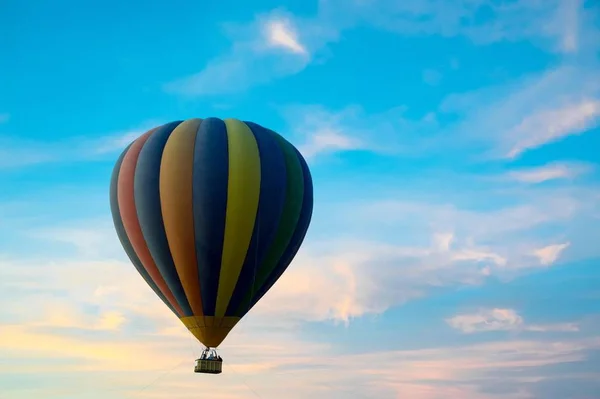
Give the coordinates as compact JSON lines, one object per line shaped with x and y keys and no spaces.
{"x":211,"y":212}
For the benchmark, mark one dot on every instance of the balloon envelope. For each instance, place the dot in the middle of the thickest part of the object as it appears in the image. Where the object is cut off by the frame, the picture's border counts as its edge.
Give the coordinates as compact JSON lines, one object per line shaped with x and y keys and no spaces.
{"x":211,"y":212}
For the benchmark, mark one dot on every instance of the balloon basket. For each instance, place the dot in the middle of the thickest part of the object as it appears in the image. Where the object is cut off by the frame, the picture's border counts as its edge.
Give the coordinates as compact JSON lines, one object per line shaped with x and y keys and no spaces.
{"x":209,"y":363}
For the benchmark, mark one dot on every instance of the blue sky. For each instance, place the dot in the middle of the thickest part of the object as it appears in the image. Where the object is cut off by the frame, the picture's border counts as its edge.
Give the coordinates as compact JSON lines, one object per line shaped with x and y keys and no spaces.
{"x":454,"y":149}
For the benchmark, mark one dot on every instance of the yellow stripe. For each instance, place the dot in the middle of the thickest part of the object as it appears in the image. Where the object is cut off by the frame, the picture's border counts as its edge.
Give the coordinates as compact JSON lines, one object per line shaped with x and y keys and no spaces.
{"x":243,"y":190}
{"x":176,"y":203}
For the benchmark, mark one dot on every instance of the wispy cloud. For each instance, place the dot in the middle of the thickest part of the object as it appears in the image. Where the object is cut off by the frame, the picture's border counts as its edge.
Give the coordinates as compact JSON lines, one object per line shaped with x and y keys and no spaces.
{"x":318,"y":130}
{"x":567,"y":25}
{"x":548,"y":172}
{"x":62,"y":315}
{"x":115,"y":142}
{"x":554,"y":24}
{"x":280,"y":33}
{"x":333,"y":280}
{"x":527,"y":114}
{"x":498,"y":122}
{"x":498,"y":319}
{"x":497,"y":223}
{"x":273,"y":45}
{"x":20,"y":152}
{"x":547,"y":126}
{"x":343,"y":280}
{"x":280,"y":364}
{"x":324,"y":140}
{"x":99,"y":317}
{"x":132,"y":333}
{"x":520,"y":232}
{"x":88,"y":242}
{"x":336,"y":279}
{"x":549,"y":254}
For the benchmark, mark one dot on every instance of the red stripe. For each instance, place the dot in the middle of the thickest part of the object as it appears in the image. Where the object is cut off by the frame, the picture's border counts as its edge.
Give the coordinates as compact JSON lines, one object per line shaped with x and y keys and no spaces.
{"x":130,"y":220}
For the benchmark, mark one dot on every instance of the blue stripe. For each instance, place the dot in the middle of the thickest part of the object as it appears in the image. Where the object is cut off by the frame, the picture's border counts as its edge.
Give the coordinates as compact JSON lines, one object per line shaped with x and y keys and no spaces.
{"x":147,"y":202}
{"x":209,"y":191}
{"x":118,"y":222}
{"x":273,"y":180}
{"x":298,"y":236}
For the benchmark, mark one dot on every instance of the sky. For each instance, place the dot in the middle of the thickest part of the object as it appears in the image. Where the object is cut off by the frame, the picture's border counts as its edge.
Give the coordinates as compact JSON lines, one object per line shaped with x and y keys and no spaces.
{"x":453,"y":250}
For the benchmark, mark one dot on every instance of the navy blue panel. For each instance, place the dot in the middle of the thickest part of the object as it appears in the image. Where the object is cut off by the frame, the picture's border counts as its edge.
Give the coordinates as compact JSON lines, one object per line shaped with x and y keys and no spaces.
{"x":273,"y":180}
{"x":209,"y":193}
{"x":297,"y":237}
{"x":147,"y":202}
{"x":118,"y":222}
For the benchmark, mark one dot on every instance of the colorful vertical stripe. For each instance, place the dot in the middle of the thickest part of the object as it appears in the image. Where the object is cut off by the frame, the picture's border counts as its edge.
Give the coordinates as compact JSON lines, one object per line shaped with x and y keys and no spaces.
{"x":211,"y":212}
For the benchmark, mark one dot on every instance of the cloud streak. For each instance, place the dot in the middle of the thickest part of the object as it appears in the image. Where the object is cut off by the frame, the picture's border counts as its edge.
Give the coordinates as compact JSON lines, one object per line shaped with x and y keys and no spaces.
{"x":556,"y":25}
{"x":16,"y":153}
{"x":498,"y":319}
{"x":272,"y":46}
{"x":549,"y":254}
{"x":537,"y":110}
{"x":280,"y":33}
{"x":551,"y":125}
{"x":500,"y":122}
{"x":549,"y":172}
{"x":319,"y":131}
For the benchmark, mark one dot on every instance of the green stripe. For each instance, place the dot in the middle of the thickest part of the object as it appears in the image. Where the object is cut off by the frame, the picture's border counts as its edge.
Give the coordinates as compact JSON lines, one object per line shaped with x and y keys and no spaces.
{"x":287,"y":224}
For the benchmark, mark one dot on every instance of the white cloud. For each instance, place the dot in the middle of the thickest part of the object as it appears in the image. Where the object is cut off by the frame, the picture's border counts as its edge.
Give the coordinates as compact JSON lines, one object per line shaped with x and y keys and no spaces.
{"x":58,"y":314}
{"x":551,"y":171}
{"x":502,"y":121}
{"x":550,"y":125}
{"x":561,"y":327}
{"x":498,"y":319}
{"x":479,"y":255}
{"x":499,"y":222}
{"x":337,"y":284}
{"x":26,"y":152}
{"x":117,"y":142}
{"x":549,"y":254}
{"x":442,"y":241}
{"x":130,"y":331}
{"x":317,"y":130}
{"x":20,"y":153}
{"x":515,"y":234}
{"x":273,"y":364}
{"x":89,"y":242}
{"x":326,"y":140}
{"x":487,"y":320}
{"x":273,"y":45}
{"x":133,"y":332}
{"x":343,"y":280}
{"x":510,"y":119}
{"x":552,"y":23}
{"x":336,"y":279}
{"x":567,"y":25}
{"x":526,"y":114}
{"x":280,"y":33}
